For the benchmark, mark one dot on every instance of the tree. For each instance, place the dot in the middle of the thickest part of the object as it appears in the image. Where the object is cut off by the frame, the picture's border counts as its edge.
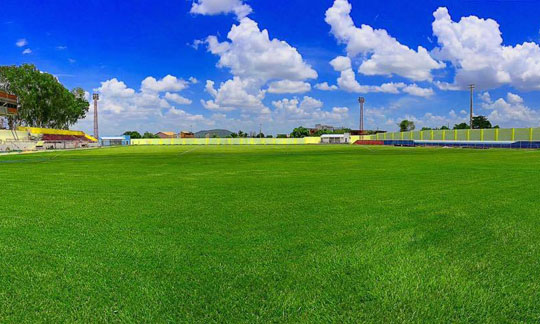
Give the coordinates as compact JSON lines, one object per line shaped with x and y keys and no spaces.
{"x":242,"y":134}
{"x":406,"y":126}
{"x":281,"y":136}
{"x":461,"y":126}
{"x":299,"y":132}
{"x":133,"y":134}
{"x":481,"y":122}
{"x":43,"y":100}
{"x":260,"y":135}
{"x":444,"y":127}
{"x":426,"y":128}
{"x":149,"y":135}
{"x":269,"y":136}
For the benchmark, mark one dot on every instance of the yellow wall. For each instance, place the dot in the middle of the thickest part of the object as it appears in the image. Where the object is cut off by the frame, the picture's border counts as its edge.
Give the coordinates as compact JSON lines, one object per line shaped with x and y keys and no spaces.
{"x":227,"y":141}
{"x":503,"y":134}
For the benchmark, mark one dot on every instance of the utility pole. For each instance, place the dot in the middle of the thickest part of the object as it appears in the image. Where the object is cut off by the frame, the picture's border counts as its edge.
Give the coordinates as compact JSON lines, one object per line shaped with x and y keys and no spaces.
{"x":260,"y":130}
{"x":96,"y":127}
{"x":361,"y":100}
{"x":471,"y":87}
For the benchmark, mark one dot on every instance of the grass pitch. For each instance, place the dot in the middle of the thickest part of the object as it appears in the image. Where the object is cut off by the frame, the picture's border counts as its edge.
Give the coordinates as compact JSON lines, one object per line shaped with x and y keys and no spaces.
{"x":270,"y":233}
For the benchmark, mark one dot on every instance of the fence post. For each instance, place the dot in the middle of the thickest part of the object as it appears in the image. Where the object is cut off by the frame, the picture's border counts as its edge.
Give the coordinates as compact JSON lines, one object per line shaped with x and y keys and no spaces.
{"x":496,"y":134}
{"x":530,"y":134}
{"x":432,"y":135}
{"x":513,"y":134}
{"x":444,"y":135}
{"x":455,"y":134}
{"x":401,"y":135}
{"x":411,"y":135}
{"x":468,"y":134}
{"x":421,"y":135}
{"x":482,"y":135}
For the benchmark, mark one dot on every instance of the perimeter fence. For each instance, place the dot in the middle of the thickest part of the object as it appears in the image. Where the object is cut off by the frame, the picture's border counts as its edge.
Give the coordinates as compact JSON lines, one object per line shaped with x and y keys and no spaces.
{"x":481,"y":135}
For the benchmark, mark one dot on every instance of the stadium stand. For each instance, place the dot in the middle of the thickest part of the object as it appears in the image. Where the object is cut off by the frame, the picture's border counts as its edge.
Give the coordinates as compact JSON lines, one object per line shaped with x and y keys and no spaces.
{"x":31,"y":139}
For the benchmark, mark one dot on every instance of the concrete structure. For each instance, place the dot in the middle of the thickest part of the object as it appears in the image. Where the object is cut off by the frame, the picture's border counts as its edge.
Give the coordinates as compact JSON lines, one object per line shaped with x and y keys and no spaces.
{"x":8,"y":104}
{"x":186,"y":135}
{"x":166,"y":135}
{"x":115,"y":140}
{"x":336,"y":138}
{"x":96,"y":126}
{"x":32,"y":138}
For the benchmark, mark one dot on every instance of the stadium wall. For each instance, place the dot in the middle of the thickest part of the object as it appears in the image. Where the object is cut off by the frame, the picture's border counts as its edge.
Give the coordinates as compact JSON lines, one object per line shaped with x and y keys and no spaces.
{"x":475,"y":135}
{"x":227,"y":141}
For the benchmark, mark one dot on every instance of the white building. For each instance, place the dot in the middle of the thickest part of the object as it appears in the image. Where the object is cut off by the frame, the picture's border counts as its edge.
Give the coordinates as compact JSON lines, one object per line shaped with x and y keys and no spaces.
{"x":336,"y":138}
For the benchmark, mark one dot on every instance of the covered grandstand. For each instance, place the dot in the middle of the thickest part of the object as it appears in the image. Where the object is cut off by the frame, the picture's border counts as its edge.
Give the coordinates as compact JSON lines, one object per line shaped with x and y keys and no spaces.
{"x":32,"y":139}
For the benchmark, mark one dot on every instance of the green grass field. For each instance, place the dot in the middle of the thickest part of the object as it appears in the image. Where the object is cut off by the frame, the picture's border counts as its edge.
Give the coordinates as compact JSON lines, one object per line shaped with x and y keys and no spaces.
{"x":270,"y":234}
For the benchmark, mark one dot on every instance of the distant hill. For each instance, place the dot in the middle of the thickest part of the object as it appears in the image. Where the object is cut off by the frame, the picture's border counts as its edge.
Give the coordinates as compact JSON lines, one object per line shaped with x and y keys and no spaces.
{"x":218,"y":132}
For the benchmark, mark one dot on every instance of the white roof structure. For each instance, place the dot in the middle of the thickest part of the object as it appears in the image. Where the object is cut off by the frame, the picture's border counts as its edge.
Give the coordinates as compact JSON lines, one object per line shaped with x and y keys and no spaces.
{"x":334,"y":135}
{"x":113,"y":138}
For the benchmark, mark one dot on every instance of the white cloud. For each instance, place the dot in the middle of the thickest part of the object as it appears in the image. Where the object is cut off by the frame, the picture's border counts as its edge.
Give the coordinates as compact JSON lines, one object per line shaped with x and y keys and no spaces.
{"x":21,"y":42}
{"x":216,"y":7}
{"x":514,"y":98}
{"x":122,"y":108}
{"x":341,"y":63}
{"x":168,"y":83}
{"x":308,"y":111}
{"x":237,"y":93}
{"x":180,"y":114}
{"x":174,"y":97}
{"x":347,"y":81}
{"x":287,"y":86}
{"x":115,"y":88}
{"x":383,"y":54}
{"x":27,"y":51}
{"x":386,"y":118}
{"x":415,"y":90}
{"x":326,"y":87}
{"x":511,"y":112}
{"x":447,"y":86}
{"x":474,"y":47}
{"x":193,"y":80}
{"x":485,"y":97}
{"x":252,"y":54}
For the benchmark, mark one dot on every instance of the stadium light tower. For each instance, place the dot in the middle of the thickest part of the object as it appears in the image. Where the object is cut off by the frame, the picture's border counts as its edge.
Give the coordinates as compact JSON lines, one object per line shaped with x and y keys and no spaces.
{"x":361,"y":100}
{"x":471,"y":87}
{"x":96,"y":128}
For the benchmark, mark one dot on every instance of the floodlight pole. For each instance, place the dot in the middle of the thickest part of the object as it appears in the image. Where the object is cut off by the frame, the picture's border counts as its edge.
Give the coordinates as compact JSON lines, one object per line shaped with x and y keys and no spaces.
{"x":96,"y":127}
{"x":471,"y":87}
{"x":361,"y":100}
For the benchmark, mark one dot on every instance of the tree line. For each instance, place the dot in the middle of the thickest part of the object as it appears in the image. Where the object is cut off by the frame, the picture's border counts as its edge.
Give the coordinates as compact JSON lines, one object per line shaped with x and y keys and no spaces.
{"x":43,"y":100}
{"x":479,"y":122}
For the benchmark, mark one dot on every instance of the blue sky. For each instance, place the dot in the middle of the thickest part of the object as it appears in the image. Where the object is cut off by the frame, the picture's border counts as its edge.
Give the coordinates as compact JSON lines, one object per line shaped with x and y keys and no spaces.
{"x":176,"y":65}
